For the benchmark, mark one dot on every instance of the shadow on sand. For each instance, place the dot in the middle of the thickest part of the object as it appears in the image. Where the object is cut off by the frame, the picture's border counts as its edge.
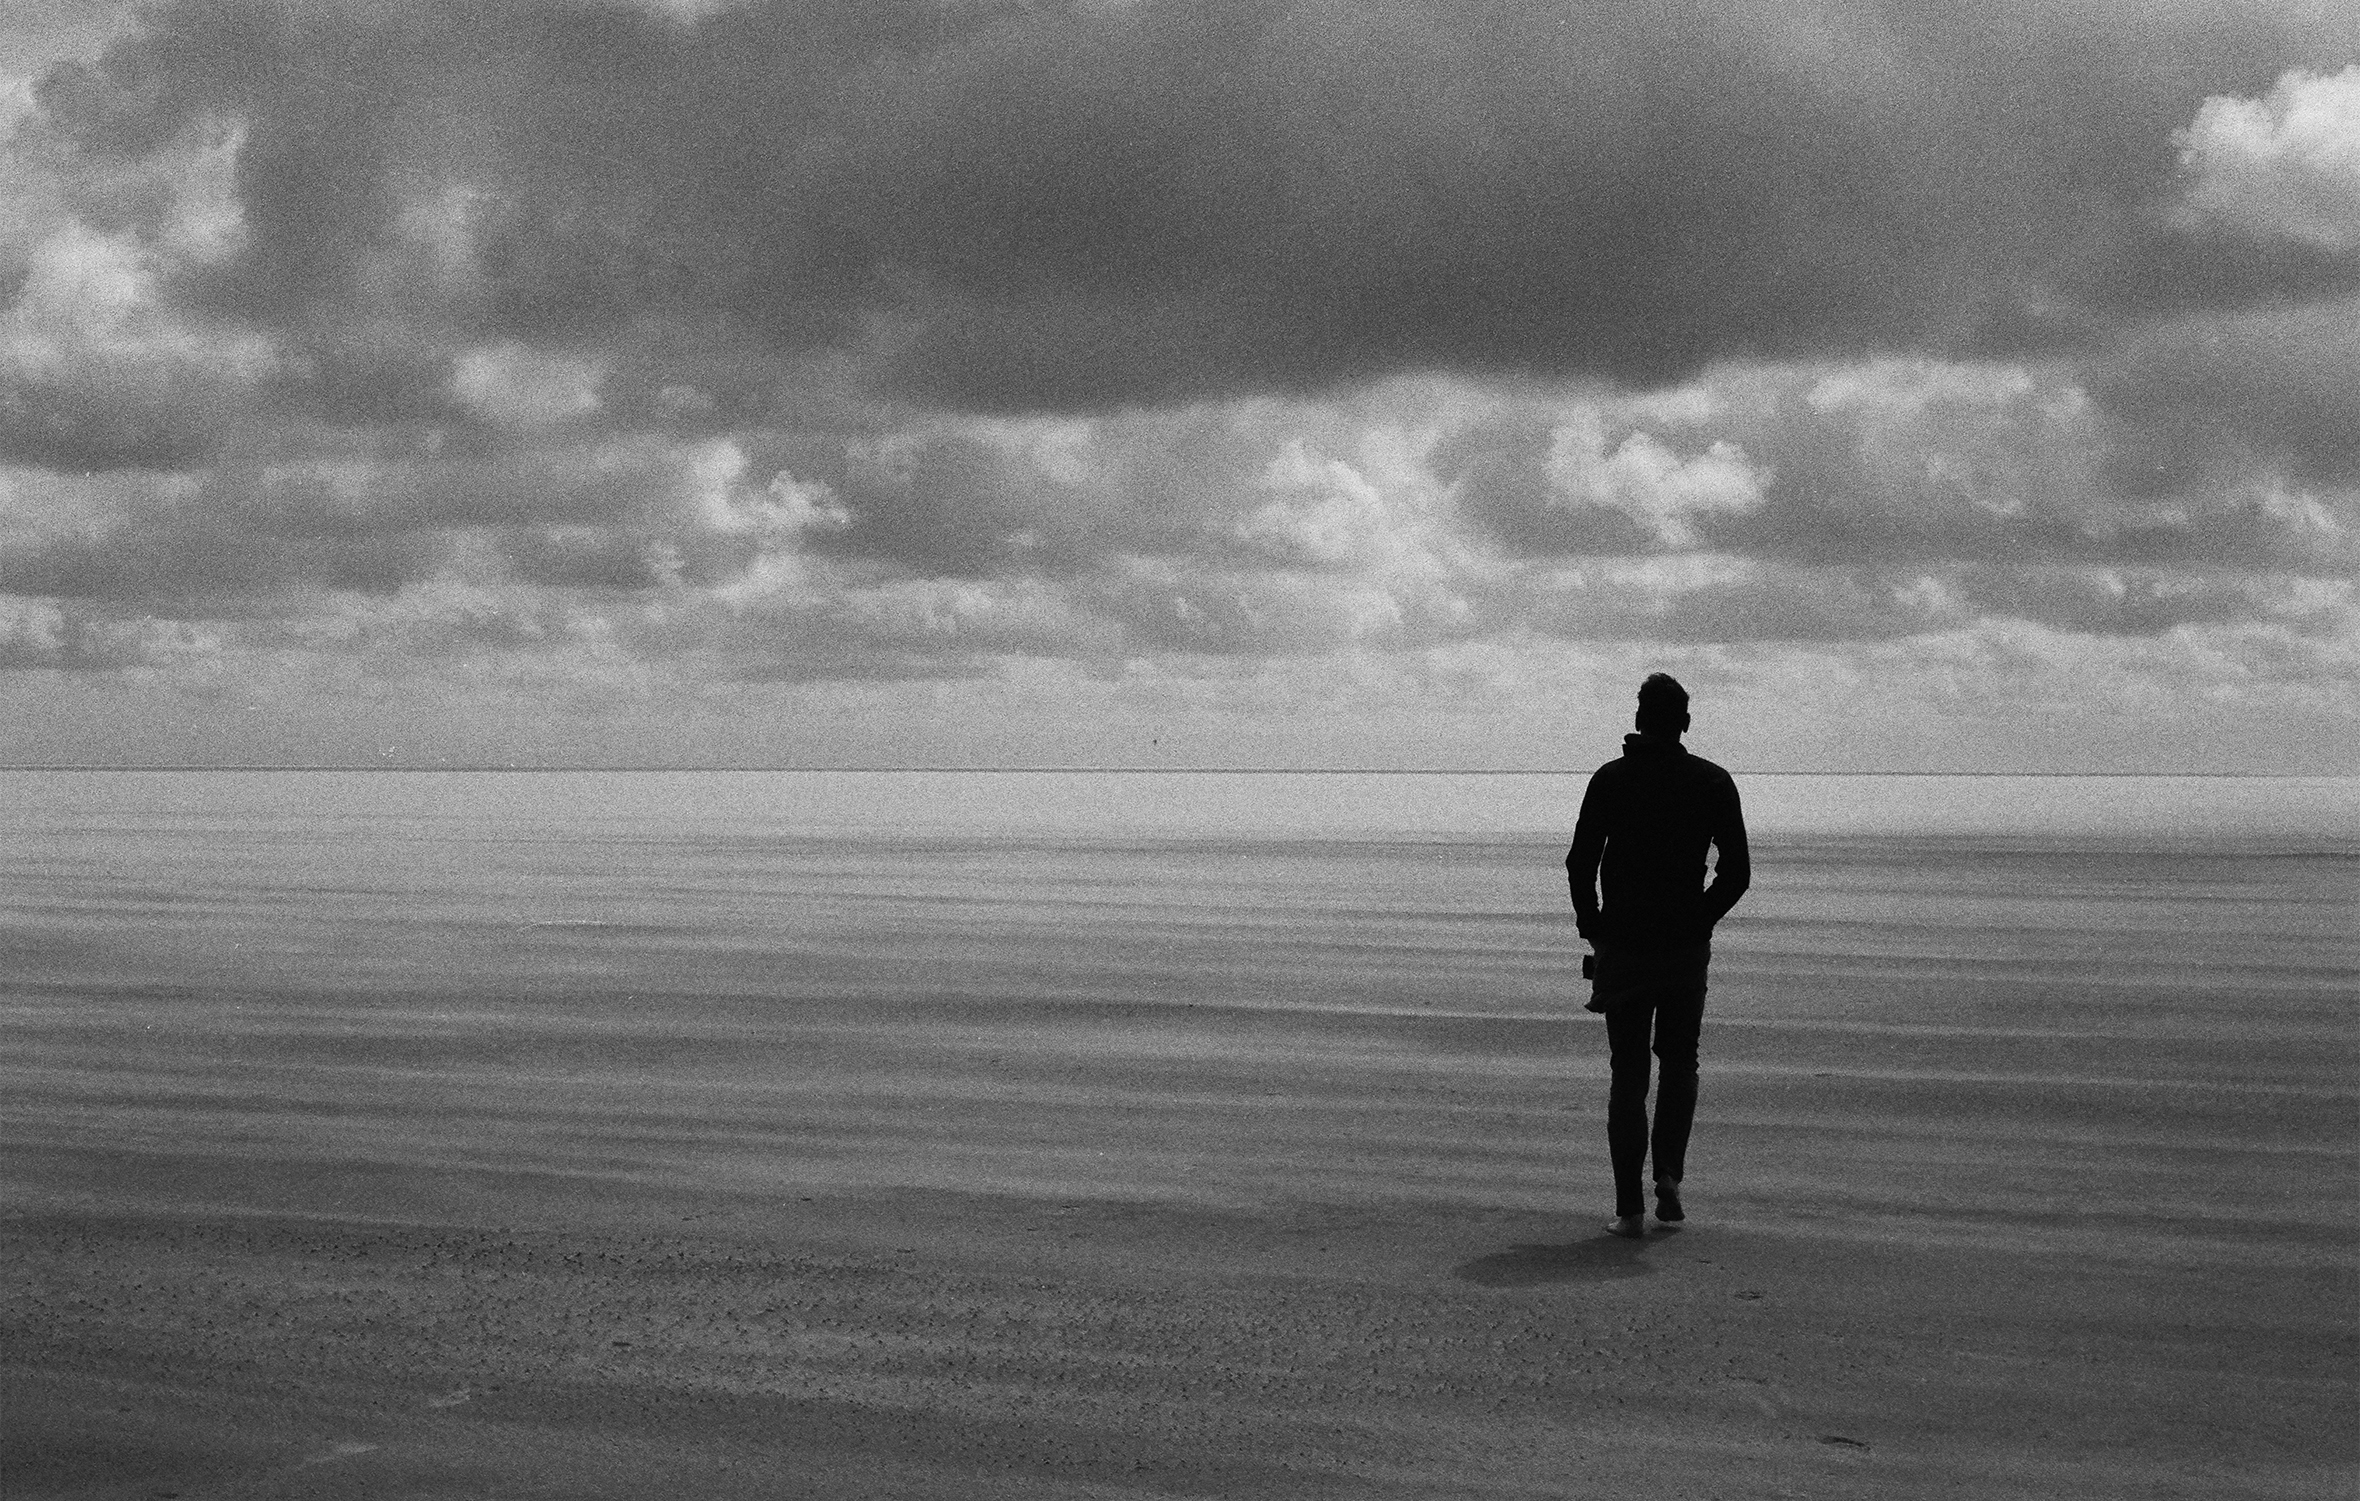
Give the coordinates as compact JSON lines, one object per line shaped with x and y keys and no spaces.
{"x":1600,"y":1258}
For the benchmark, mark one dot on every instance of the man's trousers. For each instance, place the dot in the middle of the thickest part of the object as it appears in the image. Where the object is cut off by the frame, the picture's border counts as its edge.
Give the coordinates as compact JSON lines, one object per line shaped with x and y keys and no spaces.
{"x":1668,"y":1017}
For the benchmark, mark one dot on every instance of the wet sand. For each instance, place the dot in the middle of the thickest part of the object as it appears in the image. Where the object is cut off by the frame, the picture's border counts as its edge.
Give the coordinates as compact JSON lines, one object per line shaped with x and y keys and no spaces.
{"x":934,"y":1345}
{"x":1224,"y":1194}
{"x":1874,"y":1302}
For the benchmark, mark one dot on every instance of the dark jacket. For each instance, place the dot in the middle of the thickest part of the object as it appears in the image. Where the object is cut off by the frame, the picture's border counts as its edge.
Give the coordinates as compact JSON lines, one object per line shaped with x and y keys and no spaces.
{"x":1646,"y":822}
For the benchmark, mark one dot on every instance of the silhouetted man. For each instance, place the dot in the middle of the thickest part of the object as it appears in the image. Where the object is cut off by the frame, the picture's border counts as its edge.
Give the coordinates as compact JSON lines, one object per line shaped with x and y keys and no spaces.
{"x":1645,"y":824}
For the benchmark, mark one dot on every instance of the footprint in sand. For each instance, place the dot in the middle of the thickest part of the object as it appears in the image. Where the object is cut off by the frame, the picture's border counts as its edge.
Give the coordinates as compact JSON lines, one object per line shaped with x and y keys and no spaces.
{"x":451,"y":1398}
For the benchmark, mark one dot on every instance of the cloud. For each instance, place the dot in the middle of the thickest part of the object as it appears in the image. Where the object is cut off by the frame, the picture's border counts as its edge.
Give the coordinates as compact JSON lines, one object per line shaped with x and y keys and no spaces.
{"x":1650,"y":484}
{"x":1887,"y":501}
{"x":1022,"y":208}
{"x":513,"y":386}
{"x":1590,"y":478}
{"x":1898,"y":463}
{"x":96,"y":370}
{"x":2264,"y":387}
{"x":2282,"y":167}
{"x":681,"y":352}
{"x":34,"y":635}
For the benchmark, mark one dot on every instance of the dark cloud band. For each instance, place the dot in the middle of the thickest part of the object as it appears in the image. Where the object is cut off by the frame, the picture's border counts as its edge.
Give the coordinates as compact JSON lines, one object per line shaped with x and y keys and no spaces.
{"x":1021,"y":208}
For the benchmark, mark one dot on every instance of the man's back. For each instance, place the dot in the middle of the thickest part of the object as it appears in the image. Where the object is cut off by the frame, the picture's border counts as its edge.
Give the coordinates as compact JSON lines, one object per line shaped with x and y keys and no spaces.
{"x":1646,"y":823}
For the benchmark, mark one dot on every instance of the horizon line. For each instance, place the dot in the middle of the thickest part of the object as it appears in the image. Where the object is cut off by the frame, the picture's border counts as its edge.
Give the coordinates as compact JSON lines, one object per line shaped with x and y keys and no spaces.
{"x":1078,"y":770}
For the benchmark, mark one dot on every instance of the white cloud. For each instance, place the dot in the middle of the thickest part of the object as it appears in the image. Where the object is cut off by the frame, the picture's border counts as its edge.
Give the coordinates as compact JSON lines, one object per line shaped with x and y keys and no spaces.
{"x":2282,"y":167}
{"x":1648,"y":481}
{"x":98,"y":369}
{"x":88,"y":300}
{"x":1327,"y":514}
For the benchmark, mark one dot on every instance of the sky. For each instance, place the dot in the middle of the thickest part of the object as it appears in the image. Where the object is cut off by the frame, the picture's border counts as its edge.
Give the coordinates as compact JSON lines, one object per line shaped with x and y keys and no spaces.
{"x":1930,"y":386}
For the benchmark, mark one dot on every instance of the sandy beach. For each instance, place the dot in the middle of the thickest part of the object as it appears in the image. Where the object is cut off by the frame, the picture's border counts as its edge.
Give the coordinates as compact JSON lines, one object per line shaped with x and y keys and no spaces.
{"x":1249,"y":1170}
{"x":856,"y":750}
{"x":940,"y":1345}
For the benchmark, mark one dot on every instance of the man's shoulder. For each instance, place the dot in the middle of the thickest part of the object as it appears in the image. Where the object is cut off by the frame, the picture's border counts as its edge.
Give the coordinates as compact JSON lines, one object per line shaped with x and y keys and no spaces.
{"x":1681,"y":767}
{"x":1710,"y":771}
{"x":1713,"y":782}
{"x":1612,"y":772}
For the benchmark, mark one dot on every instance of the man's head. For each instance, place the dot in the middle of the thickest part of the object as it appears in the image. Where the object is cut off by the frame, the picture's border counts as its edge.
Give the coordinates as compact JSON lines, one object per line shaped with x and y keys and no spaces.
{"x":1663,"y":705}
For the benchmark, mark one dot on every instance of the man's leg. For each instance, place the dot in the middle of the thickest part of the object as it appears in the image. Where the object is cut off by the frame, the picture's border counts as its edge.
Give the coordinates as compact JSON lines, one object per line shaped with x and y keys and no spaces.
{"x":1627,"y":1027}
{"x":1679,"y":1017}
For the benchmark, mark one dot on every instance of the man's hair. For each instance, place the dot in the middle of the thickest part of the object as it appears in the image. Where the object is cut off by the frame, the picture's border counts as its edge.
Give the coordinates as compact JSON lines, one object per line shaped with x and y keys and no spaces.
{"x":1663,"y":703}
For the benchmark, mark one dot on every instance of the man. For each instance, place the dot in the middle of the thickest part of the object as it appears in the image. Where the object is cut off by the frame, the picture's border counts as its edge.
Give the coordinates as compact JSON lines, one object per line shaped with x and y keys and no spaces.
{"x":1645,"y":824}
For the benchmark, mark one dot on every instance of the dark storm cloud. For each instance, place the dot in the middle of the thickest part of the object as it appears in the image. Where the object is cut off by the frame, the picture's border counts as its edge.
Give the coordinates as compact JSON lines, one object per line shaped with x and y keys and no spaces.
{"x":1027,"y":207}
{"x":1634,"y":191}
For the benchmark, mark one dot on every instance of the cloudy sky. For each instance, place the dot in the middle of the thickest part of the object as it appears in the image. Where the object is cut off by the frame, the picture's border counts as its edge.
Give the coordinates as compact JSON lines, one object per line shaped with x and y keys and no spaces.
{"x":1368,"y":383}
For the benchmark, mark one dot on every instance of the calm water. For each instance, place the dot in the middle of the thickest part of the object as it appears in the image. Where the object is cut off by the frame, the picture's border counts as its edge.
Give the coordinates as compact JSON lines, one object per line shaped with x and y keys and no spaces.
{"x":1153,"y":984}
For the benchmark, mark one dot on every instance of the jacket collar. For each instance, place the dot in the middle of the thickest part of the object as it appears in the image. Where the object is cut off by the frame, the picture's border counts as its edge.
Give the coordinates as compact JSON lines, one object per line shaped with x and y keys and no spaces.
{"x":1653,"y":745}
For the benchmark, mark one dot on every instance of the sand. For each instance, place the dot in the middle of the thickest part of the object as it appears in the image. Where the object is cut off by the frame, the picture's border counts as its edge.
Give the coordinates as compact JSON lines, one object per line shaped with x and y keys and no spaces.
{"x":1281,"y":1178}
{"x":394,"y":1314}
{"x":946,"y":1345}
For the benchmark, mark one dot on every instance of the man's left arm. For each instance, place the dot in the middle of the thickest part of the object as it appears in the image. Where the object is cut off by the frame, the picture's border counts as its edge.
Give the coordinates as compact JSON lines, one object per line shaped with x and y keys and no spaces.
{"x":1581,"y":862}
{"x":1733,"y":866}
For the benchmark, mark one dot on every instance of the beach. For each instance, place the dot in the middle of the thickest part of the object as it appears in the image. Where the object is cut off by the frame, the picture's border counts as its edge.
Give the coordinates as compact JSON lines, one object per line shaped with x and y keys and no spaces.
{"x":451,"y":1137}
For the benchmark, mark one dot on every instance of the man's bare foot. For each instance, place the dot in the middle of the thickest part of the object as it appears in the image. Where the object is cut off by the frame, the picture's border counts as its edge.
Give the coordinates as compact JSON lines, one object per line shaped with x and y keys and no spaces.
{"x":1628,"y":1226}
{"x":1667,"y":1201}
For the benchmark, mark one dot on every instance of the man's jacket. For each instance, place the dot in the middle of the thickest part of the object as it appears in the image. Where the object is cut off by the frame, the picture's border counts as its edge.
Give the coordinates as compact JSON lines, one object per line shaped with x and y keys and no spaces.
{"x":1646,"y":822}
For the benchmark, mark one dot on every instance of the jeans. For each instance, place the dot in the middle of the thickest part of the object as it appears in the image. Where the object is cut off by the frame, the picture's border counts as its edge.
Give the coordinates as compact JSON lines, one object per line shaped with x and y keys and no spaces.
{"x":1673,"y":1014}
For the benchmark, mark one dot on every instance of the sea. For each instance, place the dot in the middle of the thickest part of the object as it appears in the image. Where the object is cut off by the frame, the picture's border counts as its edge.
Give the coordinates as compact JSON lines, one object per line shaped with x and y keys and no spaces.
{"x":1957,"y":1001}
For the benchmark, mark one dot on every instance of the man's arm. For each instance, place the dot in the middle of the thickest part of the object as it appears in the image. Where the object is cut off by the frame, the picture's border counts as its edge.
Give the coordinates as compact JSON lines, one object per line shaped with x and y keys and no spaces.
{"x":1581,"y":862}
{"x":1733,"y":866}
